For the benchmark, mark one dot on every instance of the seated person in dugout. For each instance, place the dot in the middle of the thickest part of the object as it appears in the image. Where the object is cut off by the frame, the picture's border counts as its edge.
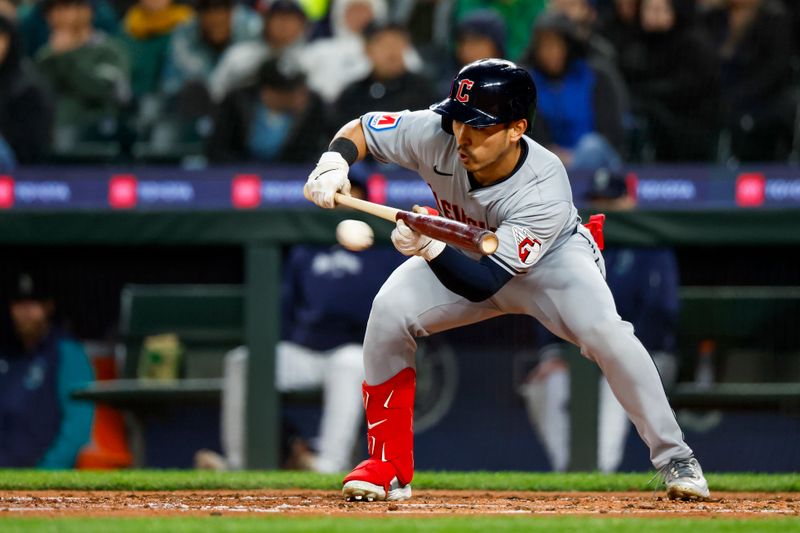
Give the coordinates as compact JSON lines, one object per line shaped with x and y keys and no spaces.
{"x":40,"y":425}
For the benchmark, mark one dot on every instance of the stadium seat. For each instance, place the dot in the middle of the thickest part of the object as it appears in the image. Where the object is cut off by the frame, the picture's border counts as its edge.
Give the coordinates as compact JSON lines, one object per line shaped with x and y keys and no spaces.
{"x":108,"y":449}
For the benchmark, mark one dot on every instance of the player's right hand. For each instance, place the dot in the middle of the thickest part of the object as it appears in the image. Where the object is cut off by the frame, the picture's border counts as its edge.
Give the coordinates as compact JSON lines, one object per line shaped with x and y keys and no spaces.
{"x":327,"y":178}
{"x":409,"y":242}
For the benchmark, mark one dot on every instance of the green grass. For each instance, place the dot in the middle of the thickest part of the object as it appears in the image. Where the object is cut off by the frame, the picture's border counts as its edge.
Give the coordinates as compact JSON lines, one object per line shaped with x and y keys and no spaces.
{"x":392,"y":525}
{"x":534,"y":481}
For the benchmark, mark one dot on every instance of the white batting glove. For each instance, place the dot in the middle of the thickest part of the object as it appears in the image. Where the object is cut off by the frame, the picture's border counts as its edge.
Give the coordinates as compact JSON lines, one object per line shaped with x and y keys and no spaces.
{"x":327,"y":178}
{"x":409,"y":242}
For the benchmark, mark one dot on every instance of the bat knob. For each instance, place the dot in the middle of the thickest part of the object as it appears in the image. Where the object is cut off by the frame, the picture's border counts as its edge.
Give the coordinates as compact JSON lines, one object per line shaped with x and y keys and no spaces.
{"x":488,"y":243}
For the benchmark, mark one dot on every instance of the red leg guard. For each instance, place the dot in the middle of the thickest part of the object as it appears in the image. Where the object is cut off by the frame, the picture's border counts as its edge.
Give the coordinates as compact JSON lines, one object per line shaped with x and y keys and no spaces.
{"x":390,"y":431}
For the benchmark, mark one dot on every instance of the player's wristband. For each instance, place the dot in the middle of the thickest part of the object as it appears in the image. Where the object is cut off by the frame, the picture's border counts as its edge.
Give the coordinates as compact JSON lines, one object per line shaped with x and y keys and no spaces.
{"x":346,"y":148}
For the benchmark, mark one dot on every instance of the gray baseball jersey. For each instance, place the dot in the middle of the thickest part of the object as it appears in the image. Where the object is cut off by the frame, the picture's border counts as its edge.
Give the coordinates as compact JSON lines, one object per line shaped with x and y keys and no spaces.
{"x":531,"y":211}
{"x":558,"y":271}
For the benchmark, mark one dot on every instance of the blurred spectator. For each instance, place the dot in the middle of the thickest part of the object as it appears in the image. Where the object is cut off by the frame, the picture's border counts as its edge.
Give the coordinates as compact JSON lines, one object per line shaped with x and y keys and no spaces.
{"x":325,"y":297}
{"x":600,"y":52}
{"x":644,"y":282}
{"x":87,"y":70}
{"x":285,"y":27}
{"x":619,"y":23}
{"x":479,"y":35}
{"x":25,"y":110}
{"x":583,"y":14}
{"x":315,"y":9}
{"x":754,"y":43}
{"x":8,"y":10}
{"x":145,"y":34}
{"x":793,"y":8}
{"x":277,"y":119}
{"x":197,"y":46}
{"x":35,"y":27}
{"x":577,"y":115}
{"x":428,"y":23}
{"x":389,"y":85}
{"x":673,"y":76}
{"x":519,"y":16}
{"x":40,"y":426}
{"x":333,"y":63}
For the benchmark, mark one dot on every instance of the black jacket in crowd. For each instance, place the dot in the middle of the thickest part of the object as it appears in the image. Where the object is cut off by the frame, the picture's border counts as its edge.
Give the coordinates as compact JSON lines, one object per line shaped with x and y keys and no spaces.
{"x":229,"y":141}
{"x":26,"y":113}
{"x":409,"y":91}
{"x":758,"y":73}
{"x":674,"y":81}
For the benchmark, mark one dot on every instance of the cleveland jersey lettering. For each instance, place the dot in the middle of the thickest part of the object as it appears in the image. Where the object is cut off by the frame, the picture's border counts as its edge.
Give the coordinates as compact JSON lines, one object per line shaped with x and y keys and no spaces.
{"x":536,"y":199}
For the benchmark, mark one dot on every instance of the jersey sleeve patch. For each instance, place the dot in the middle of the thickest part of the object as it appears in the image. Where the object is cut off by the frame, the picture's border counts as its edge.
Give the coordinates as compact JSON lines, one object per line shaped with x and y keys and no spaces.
{"x":528,"y":245}
{"x":384,"y":121}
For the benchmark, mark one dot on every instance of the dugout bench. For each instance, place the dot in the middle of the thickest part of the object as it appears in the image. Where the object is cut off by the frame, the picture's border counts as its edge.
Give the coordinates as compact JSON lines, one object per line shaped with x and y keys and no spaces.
{"x":747,"y":324}
{"x":208,"y":321}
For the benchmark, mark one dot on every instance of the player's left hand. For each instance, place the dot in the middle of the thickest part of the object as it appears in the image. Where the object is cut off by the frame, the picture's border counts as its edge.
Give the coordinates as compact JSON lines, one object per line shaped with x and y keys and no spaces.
{"x":409,"y":242}
{"x":327,"y":178}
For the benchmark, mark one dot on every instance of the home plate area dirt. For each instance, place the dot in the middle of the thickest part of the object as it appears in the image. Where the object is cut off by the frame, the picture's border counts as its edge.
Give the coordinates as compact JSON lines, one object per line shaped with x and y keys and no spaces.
{"x":425,"y":502}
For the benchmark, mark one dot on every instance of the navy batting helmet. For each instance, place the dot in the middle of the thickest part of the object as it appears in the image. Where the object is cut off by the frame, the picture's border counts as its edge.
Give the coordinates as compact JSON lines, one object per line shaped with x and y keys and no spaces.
{"x":488,"y":92}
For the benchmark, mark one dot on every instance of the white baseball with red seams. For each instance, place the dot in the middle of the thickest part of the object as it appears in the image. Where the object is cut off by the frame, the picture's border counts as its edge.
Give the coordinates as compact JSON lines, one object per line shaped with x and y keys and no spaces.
{"x":354,"y":235}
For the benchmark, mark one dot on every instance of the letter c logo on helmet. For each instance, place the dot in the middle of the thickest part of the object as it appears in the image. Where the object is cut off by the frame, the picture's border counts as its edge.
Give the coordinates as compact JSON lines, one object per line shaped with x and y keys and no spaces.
{"x":463,"y":85}
{"x":488,"y":92}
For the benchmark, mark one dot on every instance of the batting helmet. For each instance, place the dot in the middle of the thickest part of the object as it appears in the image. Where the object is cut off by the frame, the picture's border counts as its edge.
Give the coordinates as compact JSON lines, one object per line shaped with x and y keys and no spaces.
{"x":488,"y":92}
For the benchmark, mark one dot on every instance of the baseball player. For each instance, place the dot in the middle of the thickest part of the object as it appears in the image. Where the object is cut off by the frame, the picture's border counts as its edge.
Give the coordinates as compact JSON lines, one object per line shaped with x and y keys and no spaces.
{"x":472,"y":150}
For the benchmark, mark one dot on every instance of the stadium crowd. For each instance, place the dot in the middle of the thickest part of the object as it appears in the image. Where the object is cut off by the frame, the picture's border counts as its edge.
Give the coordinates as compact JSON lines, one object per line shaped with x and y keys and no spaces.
{"x":220,"y":81}
{"x":233,"y":81}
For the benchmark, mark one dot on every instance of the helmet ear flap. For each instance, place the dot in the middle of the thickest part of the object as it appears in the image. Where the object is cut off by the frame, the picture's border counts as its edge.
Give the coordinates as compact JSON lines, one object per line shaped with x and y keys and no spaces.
{"x":531,"y":117}
{"x":447,"y":125}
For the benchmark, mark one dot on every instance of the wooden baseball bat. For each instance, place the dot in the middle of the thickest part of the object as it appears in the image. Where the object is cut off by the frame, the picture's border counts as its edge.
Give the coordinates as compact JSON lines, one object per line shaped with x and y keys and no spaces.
{"x":451,"y":232}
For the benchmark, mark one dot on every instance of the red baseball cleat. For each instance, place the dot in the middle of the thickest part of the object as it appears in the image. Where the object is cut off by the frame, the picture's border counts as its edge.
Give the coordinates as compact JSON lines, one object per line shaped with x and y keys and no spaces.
{"x":374,"y":480}
{"x":387,"y":474}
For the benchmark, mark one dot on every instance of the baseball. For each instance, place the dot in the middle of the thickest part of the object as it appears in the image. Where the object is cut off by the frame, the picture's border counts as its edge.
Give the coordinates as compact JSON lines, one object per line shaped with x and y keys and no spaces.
{"x":354,"y":235}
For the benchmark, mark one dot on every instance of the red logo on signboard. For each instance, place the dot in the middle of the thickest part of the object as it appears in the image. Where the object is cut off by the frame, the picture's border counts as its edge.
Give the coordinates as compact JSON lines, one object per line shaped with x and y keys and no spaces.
{"x":246,"y":191}
{"x":632,"y":184}
{"x":750,"y":189}
{"x":377,"y":188}
{"x":6,"y":192}
{"x":122,"y":191}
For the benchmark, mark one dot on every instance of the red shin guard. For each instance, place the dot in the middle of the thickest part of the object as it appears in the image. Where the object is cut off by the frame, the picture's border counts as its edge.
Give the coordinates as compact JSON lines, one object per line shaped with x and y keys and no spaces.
{"x":390,"y":432}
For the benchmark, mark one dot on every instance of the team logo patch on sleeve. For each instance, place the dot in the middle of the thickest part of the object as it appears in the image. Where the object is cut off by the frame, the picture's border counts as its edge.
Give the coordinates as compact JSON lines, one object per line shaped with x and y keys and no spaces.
{"x":528,"y":246}
{"x":384,"y":121}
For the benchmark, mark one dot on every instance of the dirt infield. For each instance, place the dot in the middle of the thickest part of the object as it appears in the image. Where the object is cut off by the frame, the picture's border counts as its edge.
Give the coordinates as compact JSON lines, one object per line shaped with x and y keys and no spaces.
{"x":425,"y":502}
